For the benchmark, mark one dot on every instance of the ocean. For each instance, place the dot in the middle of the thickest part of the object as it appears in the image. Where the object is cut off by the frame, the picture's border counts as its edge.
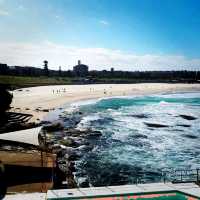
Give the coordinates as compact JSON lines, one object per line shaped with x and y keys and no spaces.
{"x":141,"y":136}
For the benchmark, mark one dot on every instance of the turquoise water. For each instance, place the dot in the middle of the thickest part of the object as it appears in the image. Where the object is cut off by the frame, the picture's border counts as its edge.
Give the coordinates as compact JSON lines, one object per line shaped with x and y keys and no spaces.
{"x":140,"y":137}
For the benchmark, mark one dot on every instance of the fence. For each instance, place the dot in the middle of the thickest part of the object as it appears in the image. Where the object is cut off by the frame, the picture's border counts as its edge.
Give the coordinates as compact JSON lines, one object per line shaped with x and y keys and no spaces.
{"x":181,"y":176}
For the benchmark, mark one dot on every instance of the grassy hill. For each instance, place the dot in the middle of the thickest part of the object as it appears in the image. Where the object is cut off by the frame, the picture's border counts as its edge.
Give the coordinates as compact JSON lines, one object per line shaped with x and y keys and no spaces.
{"x":27,"y":81}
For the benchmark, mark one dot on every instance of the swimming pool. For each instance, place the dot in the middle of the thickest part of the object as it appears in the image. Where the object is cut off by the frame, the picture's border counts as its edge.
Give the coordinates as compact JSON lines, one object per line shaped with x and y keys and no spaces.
{"x":161,"y":196}
{"x":171,"y":195}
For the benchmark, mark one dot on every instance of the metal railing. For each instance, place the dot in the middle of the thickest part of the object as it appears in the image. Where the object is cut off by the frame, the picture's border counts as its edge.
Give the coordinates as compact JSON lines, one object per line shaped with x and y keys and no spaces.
{"x":181,"y":175}
{"x":170,"y":175}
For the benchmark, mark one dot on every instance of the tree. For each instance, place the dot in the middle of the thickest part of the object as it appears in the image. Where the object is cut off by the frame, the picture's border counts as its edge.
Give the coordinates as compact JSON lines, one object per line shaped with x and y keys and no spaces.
{"x":60,"y":71}
{"x":4,"y":69}
{"x":46,"y":70}
{"x":5,"y":99}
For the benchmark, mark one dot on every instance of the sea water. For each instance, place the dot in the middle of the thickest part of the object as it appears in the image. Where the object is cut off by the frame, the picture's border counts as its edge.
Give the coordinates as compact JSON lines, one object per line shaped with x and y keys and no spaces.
{"x":141,"y":136}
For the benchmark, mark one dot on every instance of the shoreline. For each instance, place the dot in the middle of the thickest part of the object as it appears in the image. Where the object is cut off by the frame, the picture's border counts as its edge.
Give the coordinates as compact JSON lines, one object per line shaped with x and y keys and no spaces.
{"x":39,"y":101}
{"x":72,"y":143}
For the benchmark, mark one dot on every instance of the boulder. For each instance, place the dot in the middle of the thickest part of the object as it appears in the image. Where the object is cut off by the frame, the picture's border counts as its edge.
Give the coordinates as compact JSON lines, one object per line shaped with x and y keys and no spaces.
{"x":73,"y":157}
{"x":190,"y":136}
{"x":71,"y":166}
{"x":69,"y":142}
{"x":53,"y":127}
{"x":138,"y":136}
{"x":188,"y":117}
{"x":184,"y":125}
{"x":154,"y":125}
{"x":84,"y":183}
{"x":140,"y":116}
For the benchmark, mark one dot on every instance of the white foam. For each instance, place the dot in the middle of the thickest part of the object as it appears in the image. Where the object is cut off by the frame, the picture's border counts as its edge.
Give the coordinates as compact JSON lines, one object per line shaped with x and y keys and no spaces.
{"x":84,"y":102}
{"x":85,"y":122}
{"x":164,"y":103}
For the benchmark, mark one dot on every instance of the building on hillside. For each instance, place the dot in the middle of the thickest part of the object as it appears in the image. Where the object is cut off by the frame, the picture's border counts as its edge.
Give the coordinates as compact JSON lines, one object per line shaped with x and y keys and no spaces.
{"x":80,"y":70}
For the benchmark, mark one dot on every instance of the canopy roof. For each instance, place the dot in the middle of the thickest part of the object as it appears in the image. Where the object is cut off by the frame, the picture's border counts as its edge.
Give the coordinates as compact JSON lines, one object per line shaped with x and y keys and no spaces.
{"x":28,"y":136}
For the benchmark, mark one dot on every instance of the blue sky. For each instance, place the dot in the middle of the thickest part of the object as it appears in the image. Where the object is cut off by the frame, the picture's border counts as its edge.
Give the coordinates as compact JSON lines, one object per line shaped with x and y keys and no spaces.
{"x":125,"y":34}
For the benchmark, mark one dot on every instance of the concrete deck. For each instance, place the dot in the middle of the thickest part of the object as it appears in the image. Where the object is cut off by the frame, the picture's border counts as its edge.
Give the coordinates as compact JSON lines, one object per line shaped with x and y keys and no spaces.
{"x":24,"y":196}
{"x":188,"y":188}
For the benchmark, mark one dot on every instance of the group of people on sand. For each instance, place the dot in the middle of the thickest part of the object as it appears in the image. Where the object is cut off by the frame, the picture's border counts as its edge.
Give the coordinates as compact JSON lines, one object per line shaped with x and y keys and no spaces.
{"x":63,"y":90}
{"x":59,"y":90}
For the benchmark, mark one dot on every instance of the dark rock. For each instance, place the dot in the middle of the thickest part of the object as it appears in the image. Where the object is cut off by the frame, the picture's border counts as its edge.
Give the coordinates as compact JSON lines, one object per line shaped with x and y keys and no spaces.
{"x":45,"y":122}
{"x":45,"y":110}
{"x":71,"y":183}
{"x":77,"y":132}
{"x":153,"y":125}
{"x":188,"y":117}
{"x":138,"y":136}
{"x":53,"y":127}
{"x":84,"y":183}
{"x":74,"y":132}
{"x":94,"y":134}
{"x":61,"y":162}
{"x":71,"y":166}
{"x":190,"y":136}
{"x":73,"y":157}
{"x":177,"y":130}
{"x":184,"y":125}
{"x":140,"y":116}
{"x":69,"y":142}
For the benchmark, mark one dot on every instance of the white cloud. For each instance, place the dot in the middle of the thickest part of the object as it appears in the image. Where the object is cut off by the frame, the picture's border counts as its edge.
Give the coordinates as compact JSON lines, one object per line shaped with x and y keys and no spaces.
{"x":97,"y":58}
{"x":21,"y":7}
{"x":59,"y":19}
{"x":106,"y":23}
{"x":4,"y":13}
{"x":57,"y":16}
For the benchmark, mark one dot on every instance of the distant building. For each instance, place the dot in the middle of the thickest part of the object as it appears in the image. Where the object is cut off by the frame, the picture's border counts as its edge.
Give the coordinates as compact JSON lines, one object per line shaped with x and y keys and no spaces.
{"x":112,"y":69}
{"x":4,"y":68}
{"x":80,"y":70}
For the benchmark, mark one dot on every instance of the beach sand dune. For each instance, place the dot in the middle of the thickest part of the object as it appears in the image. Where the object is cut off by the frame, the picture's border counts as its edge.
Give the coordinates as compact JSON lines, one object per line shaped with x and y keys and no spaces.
{"x":38,"y":100}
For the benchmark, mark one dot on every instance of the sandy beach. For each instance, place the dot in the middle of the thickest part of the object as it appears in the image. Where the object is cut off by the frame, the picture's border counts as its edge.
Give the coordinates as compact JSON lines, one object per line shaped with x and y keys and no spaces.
{"x":36,"y":100}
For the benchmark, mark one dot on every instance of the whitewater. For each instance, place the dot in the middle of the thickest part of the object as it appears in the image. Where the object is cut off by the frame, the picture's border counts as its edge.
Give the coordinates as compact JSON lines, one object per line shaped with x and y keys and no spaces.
{"x":141,"y":136}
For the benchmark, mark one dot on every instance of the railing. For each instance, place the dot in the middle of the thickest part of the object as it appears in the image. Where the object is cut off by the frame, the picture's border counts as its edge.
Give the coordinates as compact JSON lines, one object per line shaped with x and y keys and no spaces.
{"x":170,"y":175}
{"x":181,"y":176}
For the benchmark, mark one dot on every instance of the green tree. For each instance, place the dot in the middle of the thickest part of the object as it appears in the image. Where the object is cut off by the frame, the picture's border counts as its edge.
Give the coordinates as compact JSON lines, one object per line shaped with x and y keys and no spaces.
{"x":5,"y":99}
{"x":46,"y":70}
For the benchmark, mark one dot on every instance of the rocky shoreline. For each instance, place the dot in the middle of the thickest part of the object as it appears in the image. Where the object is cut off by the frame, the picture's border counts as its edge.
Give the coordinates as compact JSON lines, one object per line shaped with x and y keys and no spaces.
{"x":69,"y":144}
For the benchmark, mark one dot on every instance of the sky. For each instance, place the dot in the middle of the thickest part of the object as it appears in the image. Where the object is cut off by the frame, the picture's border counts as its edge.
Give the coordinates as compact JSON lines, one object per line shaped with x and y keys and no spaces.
{"x":124,"y":34}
